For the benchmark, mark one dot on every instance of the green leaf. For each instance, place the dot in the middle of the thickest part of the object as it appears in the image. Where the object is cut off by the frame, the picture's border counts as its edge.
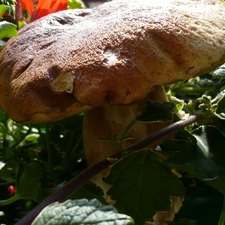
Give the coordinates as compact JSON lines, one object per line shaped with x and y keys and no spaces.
{"x":157,"y":112}
{"x":3,"y":8}
{"x":7,"y":172}
{"x":183,"y":156}
{"x":179,"y":104}
{"x":3,"y":115}
{"x":75,"y":4}
{"x":142,"y":185}
{"x":7,"y":29}
{"x":219,"y":102}
{"x":203,"y":160}
{"x":80,"y":212}
{"x":211,"y":143}
{"x":29,"y":182}
{"x":219,"y":72}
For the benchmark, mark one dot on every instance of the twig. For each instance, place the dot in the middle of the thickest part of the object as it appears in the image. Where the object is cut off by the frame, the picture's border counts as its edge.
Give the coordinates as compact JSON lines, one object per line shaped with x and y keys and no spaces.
{"x":164,"y":132}
{"x":87,"y":174}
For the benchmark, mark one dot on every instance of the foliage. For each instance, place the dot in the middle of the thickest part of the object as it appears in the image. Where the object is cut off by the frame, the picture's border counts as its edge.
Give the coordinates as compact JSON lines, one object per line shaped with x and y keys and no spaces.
{"x":7,"y":29}
{"x":38,"y":161}
{"x":75,"y":4}
{"x":157,"y":112}
{"x":81,"y":212}
{"x":143,"y":176}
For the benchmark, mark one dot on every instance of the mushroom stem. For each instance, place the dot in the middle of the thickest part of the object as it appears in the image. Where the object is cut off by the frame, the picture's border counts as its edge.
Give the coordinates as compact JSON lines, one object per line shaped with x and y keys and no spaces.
{"x":111,"y":128}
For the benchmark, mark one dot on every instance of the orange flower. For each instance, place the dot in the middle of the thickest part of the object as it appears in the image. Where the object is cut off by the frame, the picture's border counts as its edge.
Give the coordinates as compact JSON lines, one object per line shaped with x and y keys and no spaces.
{"x":43,"y":7}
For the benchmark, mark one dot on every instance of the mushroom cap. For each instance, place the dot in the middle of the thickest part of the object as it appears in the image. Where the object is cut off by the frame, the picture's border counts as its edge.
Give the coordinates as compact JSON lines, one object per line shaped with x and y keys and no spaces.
{"x":74,"y":60}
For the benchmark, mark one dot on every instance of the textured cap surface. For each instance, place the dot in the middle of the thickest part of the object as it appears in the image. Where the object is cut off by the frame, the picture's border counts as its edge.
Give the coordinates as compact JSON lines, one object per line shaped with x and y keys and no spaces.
{"x":71,"y":61}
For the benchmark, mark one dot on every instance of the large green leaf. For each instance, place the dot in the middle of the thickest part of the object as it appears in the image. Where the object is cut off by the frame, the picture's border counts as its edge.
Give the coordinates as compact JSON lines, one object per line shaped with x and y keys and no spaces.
{"x":142,"y":185}
{"x":7,"y":29}
{"x":80,"y":212}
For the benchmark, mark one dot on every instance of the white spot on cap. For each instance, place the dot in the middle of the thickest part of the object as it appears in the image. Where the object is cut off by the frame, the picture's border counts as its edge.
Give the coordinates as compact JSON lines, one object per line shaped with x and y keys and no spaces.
{"x":111,"y":56}
{"x":63,"y":82}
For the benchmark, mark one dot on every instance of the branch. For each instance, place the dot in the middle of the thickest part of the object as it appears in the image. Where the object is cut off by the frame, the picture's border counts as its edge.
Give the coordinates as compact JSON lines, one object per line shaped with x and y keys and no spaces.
{"x":87,"y":174}
{"x":164,"y":132}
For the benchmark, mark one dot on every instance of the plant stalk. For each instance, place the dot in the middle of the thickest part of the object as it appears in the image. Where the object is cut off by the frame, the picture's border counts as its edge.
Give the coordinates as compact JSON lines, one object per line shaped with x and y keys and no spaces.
{"x":164,"y":132}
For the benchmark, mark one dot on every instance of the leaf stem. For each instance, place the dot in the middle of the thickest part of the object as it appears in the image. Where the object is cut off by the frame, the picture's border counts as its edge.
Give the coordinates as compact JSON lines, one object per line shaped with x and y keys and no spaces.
{"x":87,"y":174}
{"x":9,"y":200}
{"x":123,"y":136}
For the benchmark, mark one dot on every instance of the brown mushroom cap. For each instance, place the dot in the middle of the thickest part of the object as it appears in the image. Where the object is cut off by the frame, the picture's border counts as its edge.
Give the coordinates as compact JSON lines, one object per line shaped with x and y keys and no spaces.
{"x":71,"y":61}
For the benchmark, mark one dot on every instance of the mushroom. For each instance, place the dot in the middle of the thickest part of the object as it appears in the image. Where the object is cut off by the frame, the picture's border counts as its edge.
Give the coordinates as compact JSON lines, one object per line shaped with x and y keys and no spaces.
{"x":107,"y":62}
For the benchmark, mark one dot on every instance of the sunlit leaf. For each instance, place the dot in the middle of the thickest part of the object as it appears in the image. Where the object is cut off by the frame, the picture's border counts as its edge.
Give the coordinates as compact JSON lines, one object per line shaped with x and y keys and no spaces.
{"x":7,"y":29}
{"x":220,"y":72}
{"x":3,"y":8}
{"x":219,"y":102}
{"x":179,"y":104}
{"x":75,"y":4}
{"x":74,"y":212}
